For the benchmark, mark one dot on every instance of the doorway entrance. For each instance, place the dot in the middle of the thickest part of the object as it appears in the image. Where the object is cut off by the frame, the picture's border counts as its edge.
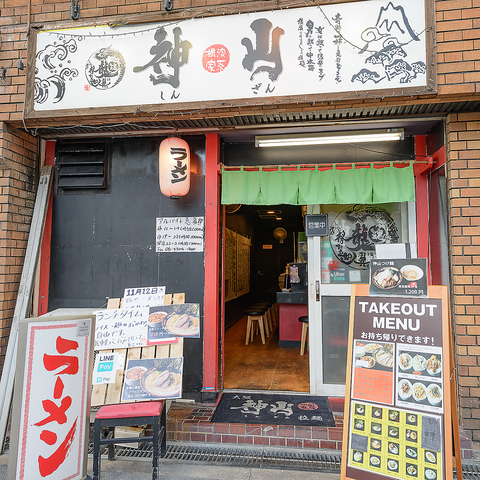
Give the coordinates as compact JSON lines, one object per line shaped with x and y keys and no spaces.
{"x":357,"y":234}
{"x":272,"y":233}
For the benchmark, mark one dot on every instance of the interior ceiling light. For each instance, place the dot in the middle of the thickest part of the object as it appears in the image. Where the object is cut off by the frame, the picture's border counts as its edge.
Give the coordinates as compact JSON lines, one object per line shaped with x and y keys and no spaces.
{"x":325,"y":138}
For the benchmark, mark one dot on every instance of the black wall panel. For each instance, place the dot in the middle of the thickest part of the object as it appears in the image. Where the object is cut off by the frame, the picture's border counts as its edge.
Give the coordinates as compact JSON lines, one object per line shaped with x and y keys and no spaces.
{"x":104,"y":242}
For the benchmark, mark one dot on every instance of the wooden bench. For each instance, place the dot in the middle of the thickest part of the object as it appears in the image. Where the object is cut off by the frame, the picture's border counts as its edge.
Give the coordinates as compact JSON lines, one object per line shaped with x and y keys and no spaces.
{"x":111,"y":416}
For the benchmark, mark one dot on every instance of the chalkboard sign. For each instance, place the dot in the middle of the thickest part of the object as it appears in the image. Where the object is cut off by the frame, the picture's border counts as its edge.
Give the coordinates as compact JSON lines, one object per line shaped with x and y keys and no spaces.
{"x":180,"y":234}
{"x":399,"y":396}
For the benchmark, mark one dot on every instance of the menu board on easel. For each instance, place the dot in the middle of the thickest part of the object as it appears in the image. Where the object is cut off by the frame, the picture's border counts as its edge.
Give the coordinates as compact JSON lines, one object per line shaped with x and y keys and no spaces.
{"x":398,"y":405}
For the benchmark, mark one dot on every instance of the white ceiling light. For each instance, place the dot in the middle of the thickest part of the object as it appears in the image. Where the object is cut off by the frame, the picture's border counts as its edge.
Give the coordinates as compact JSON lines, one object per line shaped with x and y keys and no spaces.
{"x":326,"y":138}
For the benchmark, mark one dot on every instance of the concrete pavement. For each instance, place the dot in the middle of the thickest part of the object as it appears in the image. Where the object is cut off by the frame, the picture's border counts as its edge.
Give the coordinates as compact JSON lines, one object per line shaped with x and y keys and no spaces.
{"x":176,"y":470}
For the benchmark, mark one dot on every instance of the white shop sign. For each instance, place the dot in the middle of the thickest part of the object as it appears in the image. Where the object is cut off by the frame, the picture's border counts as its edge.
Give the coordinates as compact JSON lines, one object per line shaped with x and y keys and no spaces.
{"x":50,"y":421}
{"x":343,"y":49}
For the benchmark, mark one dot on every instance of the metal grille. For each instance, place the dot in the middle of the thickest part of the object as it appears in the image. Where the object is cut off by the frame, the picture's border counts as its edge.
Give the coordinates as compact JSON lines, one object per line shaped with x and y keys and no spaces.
{"x":470,"y":472}
{"x":285,"y":459}
{"x":81,"y":165}
{"x":237,"y":456}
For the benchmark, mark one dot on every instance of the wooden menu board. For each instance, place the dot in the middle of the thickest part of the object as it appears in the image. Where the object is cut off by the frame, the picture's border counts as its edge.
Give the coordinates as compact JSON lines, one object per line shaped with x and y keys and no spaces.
{"x":230,"y":265}
{"x":399,"y":394}
{"x":108,"y":394}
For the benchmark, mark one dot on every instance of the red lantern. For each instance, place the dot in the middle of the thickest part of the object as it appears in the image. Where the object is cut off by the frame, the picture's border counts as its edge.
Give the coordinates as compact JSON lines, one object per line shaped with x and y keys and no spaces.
{"x":174,"y":167}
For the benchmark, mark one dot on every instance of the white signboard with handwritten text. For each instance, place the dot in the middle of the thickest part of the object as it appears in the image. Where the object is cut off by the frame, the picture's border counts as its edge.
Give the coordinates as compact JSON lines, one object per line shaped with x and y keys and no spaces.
{"x":180,"y":234}
{"x":121,"y":328}
{"x":143,"y":297}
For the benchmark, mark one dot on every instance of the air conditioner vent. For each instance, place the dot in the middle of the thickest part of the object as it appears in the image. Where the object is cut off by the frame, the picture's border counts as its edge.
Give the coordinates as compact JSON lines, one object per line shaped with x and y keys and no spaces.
{"x":82,"y":165}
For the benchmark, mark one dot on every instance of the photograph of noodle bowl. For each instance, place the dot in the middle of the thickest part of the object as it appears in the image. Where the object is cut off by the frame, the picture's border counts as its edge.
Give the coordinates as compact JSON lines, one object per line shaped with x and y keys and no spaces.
{"x":420,"y":392}
{"x":162,"y":383}
{"x":153,"y":378}
{"x":387,"y":277}
{"x":182,"y":320}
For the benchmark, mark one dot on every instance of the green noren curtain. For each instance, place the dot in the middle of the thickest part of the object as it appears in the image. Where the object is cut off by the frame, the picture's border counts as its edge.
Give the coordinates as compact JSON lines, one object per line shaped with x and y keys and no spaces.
{"x":310,"y":187}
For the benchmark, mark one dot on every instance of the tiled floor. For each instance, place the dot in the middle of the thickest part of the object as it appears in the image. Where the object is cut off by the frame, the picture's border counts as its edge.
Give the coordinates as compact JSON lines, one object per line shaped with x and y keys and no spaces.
{"x":255,"y":366}
{"x":192,"y":424}
{"x":263,"y":367}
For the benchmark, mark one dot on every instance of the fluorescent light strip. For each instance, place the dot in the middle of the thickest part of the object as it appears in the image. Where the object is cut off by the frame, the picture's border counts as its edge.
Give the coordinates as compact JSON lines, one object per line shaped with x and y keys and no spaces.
{"x":280,"y":141}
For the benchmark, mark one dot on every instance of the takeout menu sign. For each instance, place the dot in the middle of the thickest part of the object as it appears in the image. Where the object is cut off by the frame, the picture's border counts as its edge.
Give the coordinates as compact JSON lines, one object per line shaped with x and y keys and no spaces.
{"x":416,"y":321}
{"x":405,"y":277}
{"x":405,"y":435}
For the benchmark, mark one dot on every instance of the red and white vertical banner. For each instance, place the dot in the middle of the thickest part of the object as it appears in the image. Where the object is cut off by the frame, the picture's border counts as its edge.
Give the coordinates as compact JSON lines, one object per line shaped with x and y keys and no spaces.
{"x":51,"y":413}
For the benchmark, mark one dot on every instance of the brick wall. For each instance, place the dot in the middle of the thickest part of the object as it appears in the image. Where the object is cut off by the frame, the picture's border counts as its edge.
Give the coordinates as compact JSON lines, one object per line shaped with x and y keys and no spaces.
{"x":464,"y":193}
{"x":18,"y":154}
{"x":458,"y":46}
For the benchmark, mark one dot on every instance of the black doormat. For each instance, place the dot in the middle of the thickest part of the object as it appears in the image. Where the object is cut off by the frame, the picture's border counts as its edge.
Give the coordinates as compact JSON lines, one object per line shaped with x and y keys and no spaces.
{"x":274,"y":409}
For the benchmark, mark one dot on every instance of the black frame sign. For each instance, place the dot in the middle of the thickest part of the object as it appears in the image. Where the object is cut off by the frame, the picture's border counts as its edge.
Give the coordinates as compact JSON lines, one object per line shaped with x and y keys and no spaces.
{"x":398,"y":401}
{"x":316,"y":225}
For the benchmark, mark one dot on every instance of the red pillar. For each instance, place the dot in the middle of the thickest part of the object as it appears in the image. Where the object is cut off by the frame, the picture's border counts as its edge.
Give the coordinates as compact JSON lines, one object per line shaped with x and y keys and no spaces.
{"x":422,"y":201}
{"x":46,"y":240}
{"x":212,"y":256}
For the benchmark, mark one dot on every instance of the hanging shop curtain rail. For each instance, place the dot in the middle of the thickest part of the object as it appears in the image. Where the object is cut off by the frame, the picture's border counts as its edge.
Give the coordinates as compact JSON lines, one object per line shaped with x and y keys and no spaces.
{"x":311,"y":187}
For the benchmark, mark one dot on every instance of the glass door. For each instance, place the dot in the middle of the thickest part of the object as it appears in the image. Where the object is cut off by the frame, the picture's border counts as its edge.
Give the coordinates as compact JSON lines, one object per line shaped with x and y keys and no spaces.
{"x":337,"y":261}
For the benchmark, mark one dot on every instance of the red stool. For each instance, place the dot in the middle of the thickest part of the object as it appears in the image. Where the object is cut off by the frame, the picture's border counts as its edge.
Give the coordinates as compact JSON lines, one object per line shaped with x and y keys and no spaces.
{"x":128,"y":414}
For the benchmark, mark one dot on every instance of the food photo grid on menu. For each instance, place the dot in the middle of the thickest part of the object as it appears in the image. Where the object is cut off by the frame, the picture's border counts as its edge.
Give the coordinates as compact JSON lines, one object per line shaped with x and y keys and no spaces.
{"x":394,"y":442}
{"x":419,"y":377}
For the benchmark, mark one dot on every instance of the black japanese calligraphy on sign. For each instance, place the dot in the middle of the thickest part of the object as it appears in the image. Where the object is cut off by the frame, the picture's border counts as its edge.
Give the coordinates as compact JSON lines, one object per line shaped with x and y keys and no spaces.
{"x":179,"y":170}
{"x":314,"y":45}
{"x":355,"y":232}
{"x":167,"y":57}
{"x":105,"y":68}
{"x":338,"y":39}
{"x":266,"y":52}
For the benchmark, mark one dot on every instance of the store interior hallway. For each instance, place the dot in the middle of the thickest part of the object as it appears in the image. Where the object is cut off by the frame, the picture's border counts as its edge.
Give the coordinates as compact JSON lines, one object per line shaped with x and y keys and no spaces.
{"x":263,"y":367}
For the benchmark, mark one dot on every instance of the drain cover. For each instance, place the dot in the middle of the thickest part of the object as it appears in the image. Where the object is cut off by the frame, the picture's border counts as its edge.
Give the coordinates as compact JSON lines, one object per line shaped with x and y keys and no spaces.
{"x":238,"y":456}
